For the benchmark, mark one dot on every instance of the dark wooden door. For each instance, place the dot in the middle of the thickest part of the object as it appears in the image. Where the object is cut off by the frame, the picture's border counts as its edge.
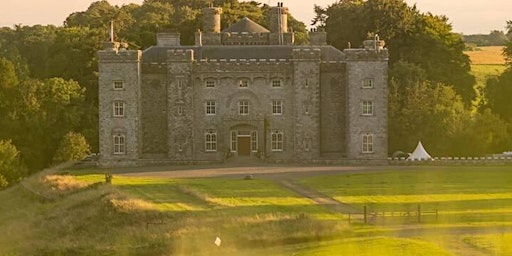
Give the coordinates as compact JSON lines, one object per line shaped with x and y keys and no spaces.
{"x":244,"y":146}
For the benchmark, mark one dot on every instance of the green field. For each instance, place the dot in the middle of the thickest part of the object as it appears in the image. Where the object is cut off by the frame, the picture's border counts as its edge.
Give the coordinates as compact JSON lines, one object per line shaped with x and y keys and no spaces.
{"x":76,"y":215}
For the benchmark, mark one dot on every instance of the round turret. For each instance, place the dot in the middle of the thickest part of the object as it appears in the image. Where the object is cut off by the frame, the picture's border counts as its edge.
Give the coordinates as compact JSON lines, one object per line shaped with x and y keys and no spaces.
{"x":278,"y":16}
{"x":211,"y":19}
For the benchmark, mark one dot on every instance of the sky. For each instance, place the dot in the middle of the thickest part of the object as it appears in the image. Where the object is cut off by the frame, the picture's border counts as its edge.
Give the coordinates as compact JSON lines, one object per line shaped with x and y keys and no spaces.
{"x":466,"y":16}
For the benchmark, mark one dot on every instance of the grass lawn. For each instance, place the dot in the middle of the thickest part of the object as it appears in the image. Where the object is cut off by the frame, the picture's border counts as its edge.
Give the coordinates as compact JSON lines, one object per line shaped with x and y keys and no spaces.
{"x":463,"y":195}
{"x":164,"y":216}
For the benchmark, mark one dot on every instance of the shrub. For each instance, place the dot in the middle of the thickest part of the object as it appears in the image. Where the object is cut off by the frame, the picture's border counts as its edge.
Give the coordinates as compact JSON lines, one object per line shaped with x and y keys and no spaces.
{"x":11,"y":169}
{"x":72,"y":147}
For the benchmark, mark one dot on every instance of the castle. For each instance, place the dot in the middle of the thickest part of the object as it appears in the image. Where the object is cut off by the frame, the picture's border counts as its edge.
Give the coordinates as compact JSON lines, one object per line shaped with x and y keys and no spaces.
{"x":246,"y":92}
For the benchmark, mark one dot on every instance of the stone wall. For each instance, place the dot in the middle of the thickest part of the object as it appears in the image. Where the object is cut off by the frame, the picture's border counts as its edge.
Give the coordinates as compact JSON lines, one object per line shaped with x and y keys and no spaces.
{"x":180,"y":104}
{"x":124,"y":66}
{"x":362,"y":65}
{"x":307,"y":102}
{"x":333,"y":110}
{"x":153,"y":115}
{"x":227,"y":75}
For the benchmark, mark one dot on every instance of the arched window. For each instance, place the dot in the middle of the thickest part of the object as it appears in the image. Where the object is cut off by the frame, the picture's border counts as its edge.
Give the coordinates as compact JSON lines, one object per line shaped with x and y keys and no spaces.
{"x":210,"y":138}
{"x":367,"y":143}
{"x":119,"y":144}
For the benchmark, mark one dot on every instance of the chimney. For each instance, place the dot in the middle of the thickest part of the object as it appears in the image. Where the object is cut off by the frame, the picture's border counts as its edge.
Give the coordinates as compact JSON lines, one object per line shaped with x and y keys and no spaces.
{"x":166,"y":39}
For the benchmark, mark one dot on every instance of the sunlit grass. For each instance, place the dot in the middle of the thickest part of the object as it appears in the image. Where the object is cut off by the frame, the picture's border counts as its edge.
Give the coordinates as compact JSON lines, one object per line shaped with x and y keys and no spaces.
{"x":463,"y":194}
{"x":259,"y":217}
{"x":365,"y":247}
{"x":493,"y":244}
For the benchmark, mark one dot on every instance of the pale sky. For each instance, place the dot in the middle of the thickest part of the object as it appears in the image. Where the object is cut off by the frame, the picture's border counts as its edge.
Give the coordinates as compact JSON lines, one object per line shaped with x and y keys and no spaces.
{"x":466,"y":16}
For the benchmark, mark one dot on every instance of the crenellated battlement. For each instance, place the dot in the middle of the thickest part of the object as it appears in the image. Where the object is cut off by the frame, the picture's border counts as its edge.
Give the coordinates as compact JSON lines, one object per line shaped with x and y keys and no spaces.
{"x":180,"y":55}
{"x":307,"y":54}
{"x":244,"y":65}
{"x":119,"y":55}
{"x":244,"y":38}
{"x":365,"y":54}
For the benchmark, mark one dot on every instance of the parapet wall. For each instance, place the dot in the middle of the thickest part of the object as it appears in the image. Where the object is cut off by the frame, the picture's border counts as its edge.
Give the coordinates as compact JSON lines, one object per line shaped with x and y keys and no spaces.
{"x":180,"y":55}
{"x":119,"y":56}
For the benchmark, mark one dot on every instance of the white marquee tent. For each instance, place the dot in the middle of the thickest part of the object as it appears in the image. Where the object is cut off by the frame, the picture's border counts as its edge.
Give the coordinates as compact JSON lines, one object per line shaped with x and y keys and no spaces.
{"x":419,"y":153}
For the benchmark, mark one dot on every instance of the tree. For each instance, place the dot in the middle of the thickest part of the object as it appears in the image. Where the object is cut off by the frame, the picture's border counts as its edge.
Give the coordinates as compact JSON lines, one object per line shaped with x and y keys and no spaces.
{"x":72,"y":147}
{"x":11,"y":169}
{"x":485,"y":133}
{"x":43,"y":113}
{"x":8,"y":78}
{"x":433,"y":113}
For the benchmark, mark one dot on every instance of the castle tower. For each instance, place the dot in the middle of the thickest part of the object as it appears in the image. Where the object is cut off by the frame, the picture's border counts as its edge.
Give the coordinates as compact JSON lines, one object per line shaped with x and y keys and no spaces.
{"x":211,"y":19}
{"x":278,"y":26}
{"x":211,"y":27}
{"x":367,"y":113}
{"x":278,"y":16}
{"x":119,"y":100}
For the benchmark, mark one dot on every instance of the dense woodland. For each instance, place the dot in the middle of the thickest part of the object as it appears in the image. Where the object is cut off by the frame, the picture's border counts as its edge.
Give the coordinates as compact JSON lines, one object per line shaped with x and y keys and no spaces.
{"x":48,"y":76}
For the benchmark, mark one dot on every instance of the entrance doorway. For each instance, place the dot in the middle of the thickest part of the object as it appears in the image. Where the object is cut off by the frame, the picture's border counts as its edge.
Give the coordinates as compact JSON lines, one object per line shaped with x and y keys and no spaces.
{"x":244,"y":146}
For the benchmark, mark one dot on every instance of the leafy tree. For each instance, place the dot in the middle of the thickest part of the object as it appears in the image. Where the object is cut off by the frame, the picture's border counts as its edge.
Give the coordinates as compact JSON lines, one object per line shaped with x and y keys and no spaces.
{"x":485,"y":133}
{"x":499,"y":92}
{"x":433,"y":113}
{"x":72,"y":147}
{"x":8,"y":78}
{"x":11,"y":169}
{"x":43,"y":113}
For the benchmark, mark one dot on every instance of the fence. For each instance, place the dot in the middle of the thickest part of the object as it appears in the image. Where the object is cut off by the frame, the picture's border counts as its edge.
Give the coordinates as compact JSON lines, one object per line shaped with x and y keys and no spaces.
{"x":373,"y":216}
{"x":502,"y":160}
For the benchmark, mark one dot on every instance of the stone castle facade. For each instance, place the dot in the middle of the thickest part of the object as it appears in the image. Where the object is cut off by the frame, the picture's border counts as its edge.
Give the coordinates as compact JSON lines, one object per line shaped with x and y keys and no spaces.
{"x":243,"y":92}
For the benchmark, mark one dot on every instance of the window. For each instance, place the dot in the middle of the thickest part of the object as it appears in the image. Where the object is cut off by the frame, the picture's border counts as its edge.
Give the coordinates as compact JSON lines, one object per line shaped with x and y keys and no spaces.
{"x":277,"y":107}
{"x":119,"y":144}
{"x":368,"y":83}
{"x":367,"y":143}
{"x":210,"y":83}
{"x":276,"y":140}
{"x":254,"y":141}
{"x":243,"y":83}
{"x":118,"y":85}
{"x":367,"y":108}
{"x":234,"y":138}
{"x":243,"y":107}
{"x":119,"y":108}
{"x":211,"y":107}
{"x":210,"y":138}
{"x":276,"y":83}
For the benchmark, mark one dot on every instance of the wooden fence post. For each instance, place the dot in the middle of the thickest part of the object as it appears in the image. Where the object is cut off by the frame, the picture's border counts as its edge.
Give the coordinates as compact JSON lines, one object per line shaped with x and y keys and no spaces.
{"x":419,"y":213}
{"x":365,"y":215}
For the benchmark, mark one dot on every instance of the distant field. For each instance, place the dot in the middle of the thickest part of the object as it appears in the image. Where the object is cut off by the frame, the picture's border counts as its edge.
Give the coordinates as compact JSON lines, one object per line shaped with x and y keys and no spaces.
{"x":488,"y":55}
